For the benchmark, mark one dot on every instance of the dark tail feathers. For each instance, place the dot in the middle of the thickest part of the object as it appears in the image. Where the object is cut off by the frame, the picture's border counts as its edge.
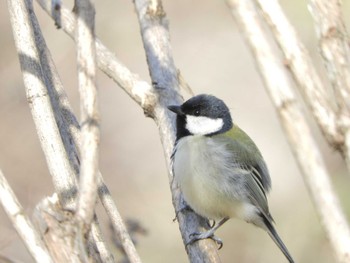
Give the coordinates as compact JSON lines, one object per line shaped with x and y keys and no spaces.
{"x":275,"y":237}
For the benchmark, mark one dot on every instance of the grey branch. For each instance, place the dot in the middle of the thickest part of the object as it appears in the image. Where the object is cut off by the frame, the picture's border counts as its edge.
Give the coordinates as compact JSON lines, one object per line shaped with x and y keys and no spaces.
{"x":295,"y":125}
{"x":22,"y":224}
{"x":90,"y":130}
{"x":156,"y":42}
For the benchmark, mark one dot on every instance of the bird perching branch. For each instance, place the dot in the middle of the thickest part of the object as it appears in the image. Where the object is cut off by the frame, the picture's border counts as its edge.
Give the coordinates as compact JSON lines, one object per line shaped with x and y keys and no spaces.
{"x":304,"y":147}
{"x":90,"y":131}
{"x":164,"y":75}
{"x":22,"y":224}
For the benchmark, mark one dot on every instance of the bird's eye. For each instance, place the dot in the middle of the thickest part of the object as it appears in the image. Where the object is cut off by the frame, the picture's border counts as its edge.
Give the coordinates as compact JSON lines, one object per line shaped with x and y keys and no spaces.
{"x":196,"y":113}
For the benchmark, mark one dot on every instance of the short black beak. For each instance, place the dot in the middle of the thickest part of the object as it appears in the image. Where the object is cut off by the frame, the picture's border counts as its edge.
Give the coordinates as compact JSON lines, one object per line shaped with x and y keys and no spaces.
{"x":176,"y":109}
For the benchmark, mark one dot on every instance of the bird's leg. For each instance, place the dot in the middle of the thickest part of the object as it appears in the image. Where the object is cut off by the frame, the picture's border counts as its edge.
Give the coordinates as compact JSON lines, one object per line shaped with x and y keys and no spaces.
{"x":209,"y":234}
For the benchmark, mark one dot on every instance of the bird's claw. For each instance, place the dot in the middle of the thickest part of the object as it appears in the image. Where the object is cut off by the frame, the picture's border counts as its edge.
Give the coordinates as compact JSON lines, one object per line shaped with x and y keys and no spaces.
{"x":198,"y":236}
{"x":193,"y":235}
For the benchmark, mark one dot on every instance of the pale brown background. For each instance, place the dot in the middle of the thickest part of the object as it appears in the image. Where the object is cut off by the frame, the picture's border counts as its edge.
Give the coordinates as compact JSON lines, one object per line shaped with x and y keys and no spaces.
{"x":213,"y":58}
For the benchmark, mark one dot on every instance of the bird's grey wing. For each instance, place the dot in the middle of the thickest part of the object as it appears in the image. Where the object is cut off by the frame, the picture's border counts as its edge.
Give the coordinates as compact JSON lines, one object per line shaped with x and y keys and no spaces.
{"x":253,"y":177}
{"x":256,"y":195}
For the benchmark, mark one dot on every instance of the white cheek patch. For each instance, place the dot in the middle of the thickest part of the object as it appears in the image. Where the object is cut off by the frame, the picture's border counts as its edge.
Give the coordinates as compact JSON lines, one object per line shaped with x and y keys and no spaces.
{"x":200,"y":125}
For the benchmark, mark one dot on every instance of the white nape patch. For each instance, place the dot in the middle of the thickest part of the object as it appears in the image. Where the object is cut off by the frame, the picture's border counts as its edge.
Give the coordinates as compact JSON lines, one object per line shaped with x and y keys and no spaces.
{"x":200,"y":125}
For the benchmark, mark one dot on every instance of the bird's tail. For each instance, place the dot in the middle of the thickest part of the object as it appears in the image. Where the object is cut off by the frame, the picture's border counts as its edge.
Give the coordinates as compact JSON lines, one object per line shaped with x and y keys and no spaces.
{"x":276,"y":238}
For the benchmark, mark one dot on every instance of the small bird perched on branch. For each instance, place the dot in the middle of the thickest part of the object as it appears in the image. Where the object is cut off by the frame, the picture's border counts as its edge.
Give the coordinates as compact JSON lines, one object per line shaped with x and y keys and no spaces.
{"x":219,"y":169}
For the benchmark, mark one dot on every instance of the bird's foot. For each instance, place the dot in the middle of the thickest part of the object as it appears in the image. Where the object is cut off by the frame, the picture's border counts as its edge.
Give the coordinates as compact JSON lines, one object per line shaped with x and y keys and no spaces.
{"x":204,"y":235}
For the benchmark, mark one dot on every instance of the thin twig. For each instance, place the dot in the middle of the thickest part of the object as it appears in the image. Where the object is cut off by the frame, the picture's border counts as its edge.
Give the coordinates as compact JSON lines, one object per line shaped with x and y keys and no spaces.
{"x":22,"y":224}
{"x":118,"y":224}
{"x":304,"y":147}
{"x":90,"y":131}
{"x":39,"y":102}
{"x":98,"y":244}
{"x":299,"y":62}
{"x":156,"y":42}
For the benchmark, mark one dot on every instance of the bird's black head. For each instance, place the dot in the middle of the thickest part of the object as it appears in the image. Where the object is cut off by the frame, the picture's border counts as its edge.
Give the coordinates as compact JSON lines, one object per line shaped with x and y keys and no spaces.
{"x":202,"y":115}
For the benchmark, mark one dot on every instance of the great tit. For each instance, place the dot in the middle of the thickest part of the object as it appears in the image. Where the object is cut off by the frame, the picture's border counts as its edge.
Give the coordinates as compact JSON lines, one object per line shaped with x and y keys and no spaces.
{"x":219,"y":169}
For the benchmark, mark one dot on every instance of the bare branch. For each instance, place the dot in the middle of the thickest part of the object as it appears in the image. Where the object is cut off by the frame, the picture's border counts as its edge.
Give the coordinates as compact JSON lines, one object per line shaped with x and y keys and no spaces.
{"x":103,"y":252}
{"x":90,"y":131}
{"x":58,"y":97}
{"x":334,"y":47}
{"x":335,"y":50}
{"x":156,"y":41}
{"x":39,"y":102}
{"x":117,"y":221}
{"x":22,"y":224}
{"x":155,"y":36}
{"x":299,"y":62}
{"x":298,"y":133}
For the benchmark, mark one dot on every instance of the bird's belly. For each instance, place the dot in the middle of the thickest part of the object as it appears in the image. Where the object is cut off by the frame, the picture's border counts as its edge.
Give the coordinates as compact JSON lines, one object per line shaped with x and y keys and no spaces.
{"x":208,"y":202}
{"x":199,"y":173}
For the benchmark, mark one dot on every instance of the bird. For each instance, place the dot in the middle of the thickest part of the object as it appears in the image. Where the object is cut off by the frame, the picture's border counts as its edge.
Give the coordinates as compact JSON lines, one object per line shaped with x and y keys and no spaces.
{"x":219,"y":169}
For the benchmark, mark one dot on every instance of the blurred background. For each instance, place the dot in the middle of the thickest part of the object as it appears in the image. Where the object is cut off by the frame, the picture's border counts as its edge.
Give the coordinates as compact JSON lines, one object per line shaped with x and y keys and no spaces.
{"x":213,"y":58}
